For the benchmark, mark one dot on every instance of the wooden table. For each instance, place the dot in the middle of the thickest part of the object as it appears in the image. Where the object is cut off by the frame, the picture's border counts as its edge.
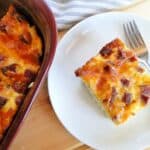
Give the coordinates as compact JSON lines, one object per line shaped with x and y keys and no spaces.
{"x":41,"y":130}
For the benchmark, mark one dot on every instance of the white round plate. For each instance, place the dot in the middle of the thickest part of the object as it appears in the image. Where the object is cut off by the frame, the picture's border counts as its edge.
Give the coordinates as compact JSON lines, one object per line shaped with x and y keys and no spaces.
{"x":73,"y":104}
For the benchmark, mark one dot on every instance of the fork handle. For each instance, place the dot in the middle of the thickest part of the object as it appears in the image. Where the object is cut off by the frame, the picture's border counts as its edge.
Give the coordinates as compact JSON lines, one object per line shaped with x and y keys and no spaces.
{"x":148,"y":57}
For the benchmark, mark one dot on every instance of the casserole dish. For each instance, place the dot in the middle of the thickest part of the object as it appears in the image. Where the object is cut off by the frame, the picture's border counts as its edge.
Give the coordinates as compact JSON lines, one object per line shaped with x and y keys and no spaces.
{"x":37,"y":13}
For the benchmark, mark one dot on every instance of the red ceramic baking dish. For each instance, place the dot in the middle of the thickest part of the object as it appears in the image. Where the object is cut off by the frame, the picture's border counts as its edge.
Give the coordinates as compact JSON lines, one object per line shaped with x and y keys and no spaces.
{"x":37,"y":13}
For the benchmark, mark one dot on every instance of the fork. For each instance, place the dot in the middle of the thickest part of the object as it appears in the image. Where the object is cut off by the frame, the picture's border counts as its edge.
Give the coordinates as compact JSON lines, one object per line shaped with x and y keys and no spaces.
{"x":136,"y":41}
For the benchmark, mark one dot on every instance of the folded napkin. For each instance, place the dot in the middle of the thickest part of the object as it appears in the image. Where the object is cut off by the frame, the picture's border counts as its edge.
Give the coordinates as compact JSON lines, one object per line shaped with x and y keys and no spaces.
{"x":69,"y":12}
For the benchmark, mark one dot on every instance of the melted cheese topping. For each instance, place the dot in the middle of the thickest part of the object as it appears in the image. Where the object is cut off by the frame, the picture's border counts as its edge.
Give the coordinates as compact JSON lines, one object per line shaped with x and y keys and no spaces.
{"x":20,"y":51}
{"x":117,"y":80}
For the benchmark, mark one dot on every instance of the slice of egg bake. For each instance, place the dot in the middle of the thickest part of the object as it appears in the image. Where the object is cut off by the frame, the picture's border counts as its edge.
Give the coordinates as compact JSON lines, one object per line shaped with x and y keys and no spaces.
{"x":114,"y":76}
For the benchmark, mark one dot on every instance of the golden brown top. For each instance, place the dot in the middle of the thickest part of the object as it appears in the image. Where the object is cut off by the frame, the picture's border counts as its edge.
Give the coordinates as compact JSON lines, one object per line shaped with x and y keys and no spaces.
{"x":20,"y":51}
{"x":117,"y":80}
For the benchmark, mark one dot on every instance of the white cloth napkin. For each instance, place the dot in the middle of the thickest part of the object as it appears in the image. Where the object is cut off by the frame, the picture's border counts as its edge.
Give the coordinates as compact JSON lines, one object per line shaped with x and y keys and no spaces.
{"x":69,"y":12}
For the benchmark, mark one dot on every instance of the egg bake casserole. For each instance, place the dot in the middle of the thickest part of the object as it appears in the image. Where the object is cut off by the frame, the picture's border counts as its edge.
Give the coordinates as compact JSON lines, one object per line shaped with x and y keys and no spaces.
{"x":114,"y":76}
{"x":20,"y":52}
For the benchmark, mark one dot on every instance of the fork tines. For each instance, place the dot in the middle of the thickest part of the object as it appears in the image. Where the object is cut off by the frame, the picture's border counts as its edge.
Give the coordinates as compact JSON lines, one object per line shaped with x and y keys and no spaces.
{"x":133,"y":35}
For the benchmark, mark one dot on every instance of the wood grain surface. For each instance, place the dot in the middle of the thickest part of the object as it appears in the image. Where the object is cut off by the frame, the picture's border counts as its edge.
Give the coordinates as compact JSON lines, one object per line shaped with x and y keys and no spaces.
{"x":41,"y":130}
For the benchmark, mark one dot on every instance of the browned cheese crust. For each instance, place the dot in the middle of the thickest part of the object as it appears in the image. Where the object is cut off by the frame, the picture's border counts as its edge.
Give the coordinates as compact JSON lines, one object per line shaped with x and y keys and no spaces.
{"x":116,"y":79}
{"x":20,"y":51}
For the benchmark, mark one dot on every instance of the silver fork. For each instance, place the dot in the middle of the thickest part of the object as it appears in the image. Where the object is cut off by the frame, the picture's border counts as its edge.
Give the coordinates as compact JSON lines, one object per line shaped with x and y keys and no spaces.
{"x":136,"y":41}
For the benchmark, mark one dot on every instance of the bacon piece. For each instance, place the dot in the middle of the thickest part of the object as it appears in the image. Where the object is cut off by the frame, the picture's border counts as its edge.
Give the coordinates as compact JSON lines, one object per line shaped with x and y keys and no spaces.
{"x":109,"y":69}
{"x":116,"y":117}
{"x":2,"y":57}
{"x":26,"y":38}
{"x":113,"y":95}
{"x":3,"y":28}
{"x":145,"y":90}
{"x":145,"y":99}
{"x":3,"y":101}
{"x":78,"y":72}
{"x":145,"y":93}
{"x":125,"y":82}
{"x":19,"y":87}
{"x":105,"y":52}
{"x":29,"y":74}
{"x":116,"y":43}
{"x":11,"y":68}
{"x":121,"y":54}
{"x":127,"y":98}
{"x":133,"y":58}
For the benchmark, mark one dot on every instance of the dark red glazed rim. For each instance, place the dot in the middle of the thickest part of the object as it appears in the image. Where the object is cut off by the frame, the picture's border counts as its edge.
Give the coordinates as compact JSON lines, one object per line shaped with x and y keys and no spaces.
{"x":39,"y":14}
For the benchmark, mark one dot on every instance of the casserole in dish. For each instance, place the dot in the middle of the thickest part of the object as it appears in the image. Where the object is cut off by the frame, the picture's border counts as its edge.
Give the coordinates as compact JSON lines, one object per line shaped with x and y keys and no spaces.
{"x":43,"y":38}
